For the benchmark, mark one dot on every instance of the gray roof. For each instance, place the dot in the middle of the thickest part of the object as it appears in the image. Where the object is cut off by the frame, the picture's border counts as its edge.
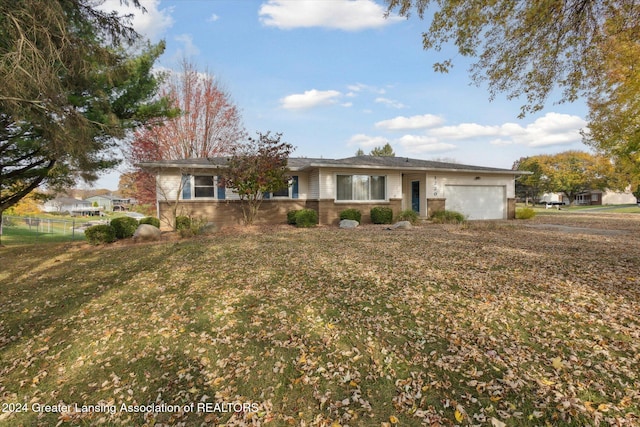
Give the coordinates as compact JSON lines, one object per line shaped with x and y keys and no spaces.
{"x":356,"y":162}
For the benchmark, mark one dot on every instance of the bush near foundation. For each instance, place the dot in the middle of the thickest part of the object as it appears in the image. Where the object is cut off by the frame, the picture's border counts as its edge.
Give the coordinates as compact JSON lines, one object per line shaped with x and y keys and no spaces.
{"x":447,"y":217}
{"x":291,"y":216}
{"x":352,"y":214}
{"x":408,"y":215}
{"x":151,"y":221}
{"x":525,"y":213}
{"x":306,"y":218}
{"x":381,"y":215}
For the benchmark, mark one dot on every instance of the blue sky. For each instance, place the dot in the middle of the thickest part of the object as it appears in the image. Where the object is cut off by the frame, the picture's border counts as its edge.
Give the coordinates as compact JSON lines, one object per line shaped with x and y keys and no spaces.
{"x":334,"y":76}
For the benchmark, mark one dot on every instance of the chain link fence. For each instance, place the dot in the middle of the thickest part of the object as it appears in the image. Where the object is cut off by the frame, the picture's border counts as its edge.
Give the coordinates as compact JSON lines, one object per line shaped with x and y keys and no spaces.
{"x":33,"y":230}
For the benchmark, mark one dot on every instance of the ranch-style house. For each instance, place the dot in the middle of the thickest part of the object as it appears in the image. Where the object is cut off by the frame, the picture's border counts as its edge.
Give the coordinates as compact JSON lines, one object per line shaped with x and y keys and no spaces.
{"x":331,"y":185}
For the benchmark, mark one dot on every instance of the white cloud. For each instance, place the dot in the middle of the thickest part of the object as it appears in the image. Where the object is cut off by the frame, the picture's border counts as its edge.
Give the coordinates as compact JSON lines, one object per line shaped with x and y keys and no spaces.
{"x":424,"y":144}
{"x":552,"y":129}
{"x":390,"y":102}
{"x":414,"y":122}
{"x":151,"y":24}
{"x":213,"y":18}
{"x":348,"y":15}
{"x":188,"y":47}
{"x":549,"y":130}
{"x":359,"y":87}
{"x":362,"y":140}
{"x":309,"y":99}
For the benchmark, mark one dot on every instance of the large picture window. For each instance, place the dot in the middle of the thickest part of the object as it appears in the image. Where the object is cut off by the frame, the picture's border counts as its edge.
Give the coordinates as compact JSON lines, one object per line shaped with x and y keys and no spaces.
{"x":361,"y":187}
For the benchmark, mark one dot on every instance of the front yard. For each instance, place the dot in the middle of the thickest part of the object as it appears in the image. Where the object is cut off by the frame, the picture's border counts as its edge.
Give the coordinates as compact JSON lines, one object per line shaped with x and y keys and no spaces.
{"x":491,"y":323}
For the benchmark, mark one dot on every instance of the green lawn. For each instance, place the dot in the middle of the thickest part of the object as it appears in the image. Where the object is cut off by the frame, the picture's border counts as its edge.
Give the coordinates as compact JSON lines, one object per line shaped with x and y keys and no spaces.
{"x":581,"y":208}
{"x":510,"y":322}
{"x":43,"y":229}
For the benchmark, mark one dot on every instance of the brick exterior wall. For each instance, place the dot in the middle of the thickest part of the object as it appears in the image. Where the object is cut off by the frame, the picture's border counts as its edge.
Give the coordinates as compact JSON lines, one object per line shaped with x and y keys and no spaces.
{"x":329,"y":210}
{"x":511,"y":208}
{"x":435,"y":205}
{"x":226,"y":213}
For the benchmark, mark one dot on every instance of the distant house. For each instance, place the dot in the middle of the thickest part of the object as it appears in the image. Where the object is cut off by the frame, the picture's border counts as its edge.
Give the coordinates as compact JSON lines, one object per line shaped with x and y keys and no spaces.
{"x":592,"y":197}
{"x":332,"y":185}
{"x":111,"y":203}
{"x":70,"y":205}
{"x":607,"y":197}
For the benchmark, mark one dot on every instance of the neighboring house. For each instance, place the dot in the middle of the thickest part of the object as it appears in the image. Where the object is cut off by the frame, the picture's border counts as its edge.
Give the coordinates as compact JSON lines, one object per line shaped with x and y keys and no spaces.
{"x":607,"y":197}
{"x":70,"y":205}
{"x":332,"y":185}
{"x":111,"y":203}
{"x":593,"y":197}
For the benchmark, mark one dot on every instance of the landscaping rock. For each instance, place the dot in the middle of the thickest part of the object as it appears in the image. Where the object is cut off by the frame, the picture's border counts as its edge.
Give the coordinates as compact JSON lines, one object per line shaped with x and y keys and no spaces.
{"x":349,"y":223}
{"x":402,"y":225}
{"x":147,"y":233}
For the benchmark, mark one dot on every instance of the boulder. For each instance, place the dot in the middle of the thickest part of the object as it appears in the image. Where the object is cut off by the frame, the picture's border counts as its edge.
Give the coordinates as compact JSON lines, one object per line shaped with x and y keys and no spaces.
{"x":349,"y":223}
{"x":147,"y":233}
{"x":402,"y":225}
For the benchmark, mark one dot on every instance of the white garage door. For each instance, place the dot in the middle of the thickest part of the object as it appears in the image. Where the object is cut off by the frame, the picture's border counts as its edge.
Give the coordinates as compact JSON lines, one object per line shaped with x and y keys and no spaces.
{"x":477,"y":201}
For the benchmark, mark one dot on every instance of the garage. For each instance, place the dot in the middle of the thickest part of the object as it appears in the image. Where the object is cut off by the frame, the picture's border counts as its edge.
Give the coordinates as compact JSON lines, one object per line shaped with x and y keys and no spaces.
{"x":477,"y":201}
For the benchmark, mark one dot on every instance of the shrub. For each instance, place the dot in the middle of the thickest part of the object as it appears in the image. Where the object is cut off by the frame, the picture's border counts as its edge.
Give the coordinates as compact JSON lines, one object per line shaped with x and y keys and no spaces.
{"x":381,"y":215}
{"x":100,"y":234}
{"x":124,"y":226}
{"x":151,"y":221}
{"x":408,"y":215}
{"x":525,"y":213}
{"x":189,"y":227}
{"x":291,"y":217}
{"x":353,"y":214}
{"x":183,"y":222}
{"x":306,"y":218}
{"x":447,"y":217}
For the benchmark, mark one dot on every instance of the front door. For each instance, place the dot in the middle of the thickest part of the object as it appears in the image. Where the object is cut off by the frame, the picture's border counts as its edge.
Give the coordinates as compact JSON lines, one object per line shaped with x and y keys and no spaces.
{"x":415,"y":196}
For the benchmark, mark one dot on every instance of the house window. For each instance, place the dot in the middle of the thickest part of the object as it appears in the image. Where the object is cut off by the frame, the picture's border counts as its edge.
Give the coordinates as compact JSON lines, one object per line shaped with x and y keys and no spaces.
{"x":361,"y":187}
{"x":283,"y":192}
{"x":202,"y":187}
{"x":291,"y":190}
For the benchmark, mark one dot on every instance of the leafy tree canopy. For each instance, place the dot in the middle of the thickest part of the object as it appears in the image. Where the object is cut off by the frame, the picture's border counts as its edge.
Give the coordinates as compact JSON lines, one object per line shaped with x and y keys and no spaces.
{"x":70,"y":88}
{"x":255,"y":168}
{"x":526,"y":48}
{"x":569,"y":172}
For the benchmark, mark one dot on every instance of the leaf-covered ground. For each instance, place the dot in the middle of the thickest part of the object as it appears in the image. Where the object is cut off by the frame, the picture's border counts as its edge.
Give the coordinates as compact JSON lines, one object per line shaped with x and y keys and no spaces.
{"x":510,"y":323}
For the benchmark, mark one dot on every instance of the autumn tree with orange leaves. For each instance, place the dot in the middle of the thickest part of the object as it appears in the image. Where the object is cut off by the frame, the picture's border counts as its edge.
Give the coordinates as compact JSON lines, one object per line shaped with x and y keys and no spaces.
{"x":209,"y":124}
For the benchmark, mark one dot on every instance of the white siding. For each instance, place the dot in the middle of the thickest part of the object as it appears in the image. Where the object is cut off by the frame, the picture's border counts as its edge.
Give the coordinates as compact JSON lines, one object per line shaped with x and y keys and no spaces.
{"x":314,"y":185}
{"x":436,"y":183}
{"x":168,"y":186}
{"x":618,"y":198}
